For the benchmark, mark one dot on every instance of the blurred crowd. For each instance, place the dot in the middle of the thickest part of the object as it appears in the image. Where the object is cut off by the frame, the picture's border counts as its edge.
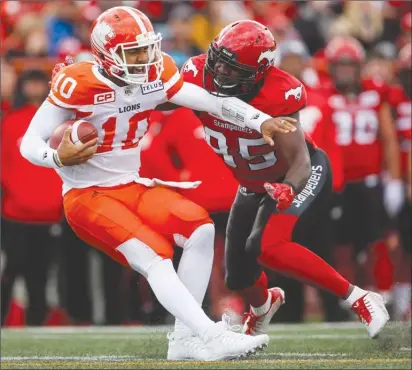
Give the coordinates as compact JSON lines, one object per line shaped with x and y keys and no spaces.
{"x":37,"y":243}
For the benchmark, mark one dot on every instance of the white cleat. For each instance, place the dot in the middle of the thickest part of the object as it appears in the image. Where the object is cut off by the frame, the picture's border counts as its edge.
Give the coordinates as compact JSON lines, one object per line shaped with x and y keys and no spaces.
{"x":372,"y":312}
{"x":225,"y":344}
{"x":184,"y":346}
{"x":259,"y":324}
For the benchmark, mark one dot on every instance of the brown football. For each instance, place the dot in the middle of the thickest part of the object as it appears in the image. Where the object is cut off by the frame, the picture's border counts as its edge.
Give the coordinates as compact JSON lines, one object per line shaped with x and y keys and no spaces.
{"x":83,"y":131}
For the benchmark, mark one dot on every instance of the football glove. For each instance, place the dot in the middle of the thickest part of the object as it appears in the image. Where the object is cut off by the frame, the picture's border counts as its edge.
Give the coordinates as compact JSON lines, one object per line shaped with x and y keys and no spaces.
{"x":282,"y":193}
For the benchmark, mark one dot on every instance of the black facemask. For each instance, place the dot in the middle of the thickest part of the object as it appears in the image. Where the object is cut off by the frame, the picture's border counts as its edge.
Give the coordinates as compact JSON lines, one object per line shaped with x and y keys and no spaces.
{"x":240,"y":82}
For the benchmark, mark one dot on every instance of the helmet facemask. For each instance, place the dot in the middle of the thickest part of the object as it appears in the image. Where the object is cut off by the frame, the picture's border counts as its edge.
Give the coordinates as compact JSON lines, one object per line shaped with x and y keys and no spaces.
{"x":138,"y":74}
{"x":224,"y":76}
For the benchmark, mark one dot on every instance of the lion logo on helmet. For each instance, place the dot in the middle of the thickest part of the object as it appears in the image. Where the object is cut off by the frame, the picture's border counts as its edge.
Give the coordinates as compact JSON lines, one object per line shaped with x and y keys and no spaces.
{"x":104,"y":32}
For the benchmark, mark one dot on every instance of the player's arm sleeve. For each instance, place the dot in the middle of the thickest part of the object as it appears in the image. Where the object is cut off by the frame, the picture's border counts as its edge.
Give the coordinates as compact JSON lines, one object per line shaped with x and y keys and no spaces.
{"x":171,"y":77}
{"x":34,"y":145}
{"x":229,"y":109}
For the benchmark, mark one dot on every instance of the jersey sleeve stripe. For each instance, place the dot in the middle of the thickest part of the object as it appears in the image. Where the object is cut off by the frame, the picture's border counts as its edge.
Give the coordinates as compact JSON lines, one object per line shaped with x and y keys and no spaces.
{"x":54,"y":100}
{"x":174,"y":89}
{"x":83,"y":110}
{"x":175,"y":78}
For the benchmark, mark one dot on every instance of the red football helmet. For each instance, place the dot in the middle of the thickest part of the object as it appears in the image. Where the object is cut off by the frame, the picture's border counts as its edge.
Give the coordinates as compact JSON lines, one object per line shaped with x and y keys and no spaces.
{"x":344,"y":48}
{"x":239,"y":58}
{"x":345,"y":56}
{"x":124,"y":28}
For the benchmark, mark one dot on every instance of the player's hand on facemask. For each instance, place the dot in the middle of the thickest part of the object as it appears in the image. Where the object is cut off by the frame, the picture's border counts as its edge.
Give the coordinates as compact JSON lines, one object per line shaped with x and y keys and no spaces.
{"x":277,"y":125}
{"x":282,"y":193}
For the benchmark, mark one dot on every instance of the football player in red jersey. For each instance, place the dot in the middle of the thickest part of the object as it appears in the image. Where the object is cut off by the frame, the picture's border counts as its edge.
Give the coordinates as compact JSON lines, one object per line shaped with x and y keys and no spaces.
{"x":366,"y":134}
{"x":399,"y":97}
{"x":282,"y":188}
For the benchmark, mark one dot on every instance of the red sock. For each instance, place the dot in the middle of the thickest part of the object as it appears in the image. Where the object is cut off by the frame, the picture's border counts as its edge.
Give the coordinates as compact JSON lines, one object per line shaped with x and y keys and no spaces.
{"x":383,"y":267}
{"x":292,"y":259}
{"x":257,"y":294}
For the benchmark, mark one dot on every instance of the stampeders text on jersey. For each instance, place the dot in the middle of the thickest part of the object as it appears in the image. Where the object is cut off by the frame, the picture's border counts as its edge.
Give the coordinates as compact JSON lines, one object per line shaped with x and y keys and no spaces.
{"x":231,"y":127}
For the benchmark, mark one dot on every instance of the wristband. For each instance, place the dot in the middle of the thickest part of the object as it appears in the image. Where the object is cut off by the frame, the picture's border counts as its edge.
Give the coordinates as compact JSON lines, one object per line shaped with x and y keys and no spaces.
{"x":57,"y":159}
{"x":291,"y":185}
{"x":48,"y":156}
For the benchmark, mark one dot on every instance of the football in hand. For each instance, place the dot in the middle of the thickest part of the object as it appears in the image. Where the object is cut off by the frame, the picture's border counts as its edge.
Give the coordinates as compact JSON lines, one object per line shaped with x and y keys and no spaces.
{"x":82,"y":132}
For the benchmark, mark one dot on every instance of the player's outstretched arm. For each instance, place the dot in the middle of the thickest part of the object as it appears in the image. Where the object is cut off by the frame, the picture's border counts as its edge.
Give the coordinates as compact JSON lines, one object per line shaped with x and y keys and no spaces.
{"x":232,"y":110}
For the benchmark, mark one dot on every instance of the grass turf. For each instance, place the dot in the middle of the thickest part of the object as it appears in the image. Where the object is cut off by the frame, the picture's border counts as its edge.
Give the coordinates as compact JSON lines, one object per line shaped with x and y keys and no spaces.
{"x":306,"y":346}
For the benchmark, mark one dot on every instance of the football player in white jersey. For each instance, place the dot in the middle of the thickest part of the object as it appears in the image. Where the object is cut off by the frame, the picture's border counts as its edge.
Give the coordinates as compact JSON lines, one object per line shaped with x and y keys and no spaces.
{"x":108,"y":204}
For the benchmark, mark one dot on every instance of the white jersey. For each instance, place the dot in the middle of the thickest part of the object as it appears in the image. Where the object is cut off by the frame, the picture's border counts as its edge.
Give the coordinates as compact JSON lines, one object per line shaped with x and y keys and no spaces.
{"x":120,"y":115}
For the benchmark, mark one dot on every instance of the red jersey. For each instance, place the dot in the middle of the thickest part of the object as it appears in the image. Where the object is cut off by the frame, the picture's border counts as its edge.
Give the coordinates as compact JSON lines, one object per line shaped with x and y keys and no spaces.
{"x":316,"y":120}
{"x":357,"y":123}
{"x":243,"y":150}
{"x":401,"y":106}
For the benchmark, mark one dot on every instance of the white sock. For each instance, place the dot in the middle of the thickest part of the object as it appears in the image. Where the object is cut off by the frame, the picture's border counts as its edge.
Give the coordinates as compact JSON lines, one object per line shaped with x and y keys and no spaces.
{"x":195,"y":265}
{"x":175,"y":298}
{"x":355,"y":295}
{"x":402,"y":299}
{"x":264,"y":308}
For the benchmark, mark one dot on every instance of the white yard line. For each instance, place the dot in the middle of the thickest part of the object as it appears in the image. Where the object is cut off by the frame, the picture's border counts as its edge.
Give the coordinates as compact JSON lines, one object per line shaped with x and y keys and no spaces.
{"x":318,"y":336}
{"x":136,"y":336}
{"x":166,"y":328}
{"x":302,"y":354}
{"x":103,"y":330}
{"x":73,"y":358}
{"x":135,"y":358}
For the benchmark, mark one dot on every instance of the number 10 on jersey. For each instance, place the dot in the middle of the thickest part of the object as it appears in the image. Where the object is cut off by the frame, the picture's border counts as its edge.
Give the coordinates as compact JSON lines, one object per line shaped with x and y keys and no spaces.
{"x":137,"y":128}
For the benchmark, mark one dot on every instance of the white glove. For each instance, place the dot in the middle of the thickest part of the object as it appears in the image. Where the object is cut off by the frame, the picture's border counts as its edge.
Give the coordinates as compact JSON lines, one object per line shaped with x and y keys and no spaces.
{"x":393,"y":196}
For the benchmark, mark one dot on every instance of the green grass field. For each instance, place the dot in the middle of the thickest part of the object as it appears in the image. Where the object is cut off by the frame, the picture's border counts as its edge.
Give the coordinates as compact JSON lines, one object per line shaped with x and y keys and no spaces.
{"x":306,"y":346}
